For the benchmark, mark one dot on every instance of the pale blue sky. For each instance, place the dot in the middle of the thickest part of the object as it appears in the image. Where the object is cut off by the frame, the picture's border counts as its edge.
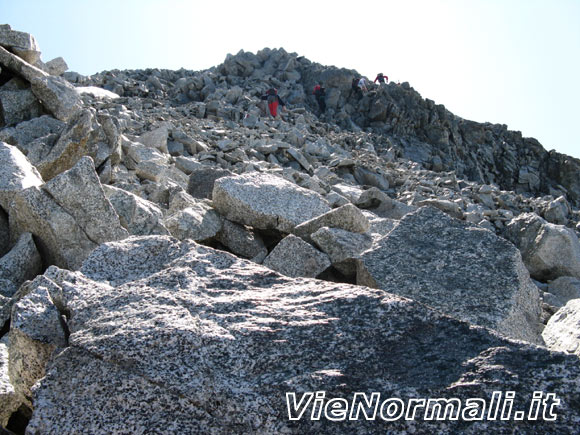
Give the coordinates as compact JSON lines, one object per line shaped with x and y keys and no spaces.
{"x":514,"y":62}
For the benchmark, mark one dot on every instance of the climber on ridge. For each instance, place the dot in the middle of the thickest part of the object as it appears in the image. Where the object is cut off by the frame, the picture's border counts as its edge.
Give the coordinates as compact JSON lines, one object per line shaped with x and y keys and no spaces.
{"x":381,"y":78}
{"x":273,"y":100}
{"x":320,"y":94}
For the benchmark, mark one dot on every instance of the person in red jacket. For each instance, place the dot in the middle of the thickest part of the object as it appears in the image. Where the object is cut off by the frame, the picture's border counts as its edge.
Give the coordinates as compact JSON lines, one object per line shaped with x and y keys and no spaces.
{"x":320,"y":93}
{"x":274,"y":101}
{"x":381,"y":78}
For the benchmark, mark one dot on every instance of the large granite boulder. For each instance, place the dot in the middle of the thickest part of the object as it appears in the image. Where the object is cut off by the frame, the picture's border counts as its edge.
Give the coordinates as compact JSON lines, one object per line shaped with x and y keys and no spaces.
{"x":176,"y":337}
{"x":22,"y":44}
{"x":70,"y":216}
{"x":457,"y":268}
{"x":548,"y":250}
{"x":16,"y":173}
{"x":265,"y":201}
{"x":562,"y":333}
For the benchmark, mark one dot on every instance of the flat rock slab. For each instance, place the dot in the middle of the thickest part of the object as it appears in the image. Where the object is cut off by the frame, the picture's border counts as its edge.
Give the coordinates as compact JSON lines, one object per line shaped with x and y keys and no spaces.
{"x":169,"y":336}
{"x":348,"y":217}
{"x":265,"y":201}
{"x":462,"y":270}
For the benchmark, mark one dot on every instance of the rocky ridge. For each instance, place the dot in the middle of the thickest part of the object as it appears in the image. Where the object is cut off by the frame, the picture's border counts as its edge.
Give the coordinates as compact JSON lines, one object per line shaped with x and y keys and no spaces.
{"x":120,"y":192}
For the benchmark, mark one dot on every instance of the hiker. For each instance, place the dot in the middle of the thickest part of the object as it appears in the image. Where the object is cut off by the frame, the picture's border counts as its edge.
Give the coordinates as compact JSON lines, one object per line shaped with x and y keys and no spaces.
{"x":320,"y":94}
{"x":273,"y":100}
{"x":362,"y":84}
{"x":381,"y":78}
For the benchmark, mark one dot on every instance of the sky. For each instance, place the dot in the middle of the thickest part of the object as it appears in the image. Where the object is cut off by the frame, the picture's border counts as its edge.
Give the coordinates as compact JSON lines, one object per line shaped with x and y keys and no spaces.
{"x":513,"y":62}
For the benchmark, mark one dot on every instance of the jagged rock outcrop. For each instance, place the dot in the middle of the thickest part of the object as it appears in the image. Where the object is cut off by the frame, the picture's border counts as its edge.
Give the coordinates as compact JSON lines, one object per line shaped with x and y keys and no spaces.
{"x":286,"y":335}
{"x":460,"y":269}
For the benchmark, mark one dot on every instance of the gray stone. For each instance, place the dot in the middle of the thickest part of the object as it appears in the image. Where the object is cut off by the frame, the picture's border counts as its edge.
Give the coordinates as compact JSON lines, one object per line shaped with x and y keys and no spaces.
{"x":156,"y":138}
{"x":297,"y":155}
{"x":564,"y":289}
{"x":549,"y":251}
{"x":18,"y":106}
{"x":382,"y":205}
{"x":83,"y":136}
{"x":335,"y":199}
{"x":16,"y":173}
{"x":21,"y":43}
{"x":9,"y":402}
{"x":201,"y":181}
{"x":138,"y":216}
{"x":23,"y":262}
{"x":366,"y":177}
{"x":197,"y":222}
{"x":294,"y":257}
{"x":26,"y":132}
{"x":187,"y":165}
{"x":57,"y":96}
{"x":80,"y":193}
{"x":379,"y":227}
{"x":70,"y":216}
{"x":20,"y":67}
{"x":451,"y":208}
{"x":562,"y":333}
{"x":265,"y":201}
{"x":348,"y":217}
{"x":340,"y":244}
{"x":457,"y":268}
{"x":61,"y":241}
{"x":56,"y":66}
{"x":177,"y":337}
{"x":35,"y":332}
{"x":557,"y":211}
{"x":242,"y":241}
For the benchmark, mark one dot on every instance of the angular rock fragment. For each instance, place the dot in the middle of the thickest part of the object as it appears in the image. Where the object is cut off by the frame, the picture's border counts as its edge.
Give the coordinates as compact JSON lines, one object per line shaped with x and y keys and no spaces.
{"x":549,"y":251}
{"x":16,"y":173}
{"x":265,"y":201}
{"x":138,"y":216}
{"x":21,"y":43}
{"x":35,"y":332}
{"x":80,"y":193}
{"x":70,"y":216}
{"x":242,"y":241}
{"x":564,"y":289}
{"x":196,"y":340}
{"x":294,"y":257}
{"x":341,"y":245}
{"x":458,"y":269}
{"x":562,"y":333}
{"x":17,"y":106}
{"x":348,"y":217}
{"x":201,"y":181}
{"x":57,"y":96}
{"x":22,"y":263}
{"x":197,"y":222}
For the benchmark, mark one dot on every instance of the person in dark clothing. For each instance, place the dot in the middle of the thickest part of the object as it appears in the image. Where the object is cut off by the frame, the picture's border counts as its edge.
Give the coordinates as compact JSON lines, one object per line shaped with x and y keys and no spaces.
{"x":274,"y":101}
{"x":320,"y":94}
{"x":381,"y":78}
